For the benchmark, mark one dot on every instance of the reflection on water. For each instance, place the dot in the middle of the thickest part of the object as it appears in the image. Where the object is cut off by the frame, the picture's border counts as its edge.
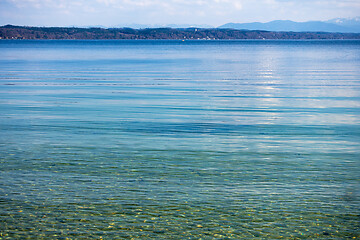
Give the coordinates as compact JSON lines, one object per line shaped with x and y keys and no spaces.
{"x":170,"y":139}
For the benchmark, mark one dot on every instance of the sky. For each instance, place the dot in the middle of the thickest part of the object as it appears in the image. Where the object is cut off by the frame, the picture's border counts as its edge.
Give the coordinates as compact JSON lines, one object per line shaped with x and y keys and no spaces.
{"x":120,"y":13}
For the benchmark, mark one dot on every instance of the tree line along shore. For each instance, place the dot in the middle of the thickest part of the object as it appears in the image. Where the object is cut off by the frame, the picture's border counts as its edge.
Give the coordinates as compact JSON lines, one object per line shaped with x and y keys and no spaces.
{"x":23,"y":32}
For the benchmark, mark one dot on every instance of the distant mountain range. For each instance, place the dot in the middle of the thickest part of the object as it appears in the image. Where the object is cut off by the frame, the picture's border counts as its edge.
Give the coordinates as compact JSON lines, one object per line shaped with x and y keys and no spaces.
{"x":341,"y":25}
{"x":337,"y":25}
{"x":143,"y":26}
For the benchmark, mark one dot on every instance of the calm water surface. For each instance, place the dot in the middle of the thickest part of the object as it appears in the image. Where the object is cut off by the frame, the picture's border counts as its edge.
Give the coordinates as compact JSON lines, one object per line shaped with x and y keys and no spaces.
{"x":179,"y":140}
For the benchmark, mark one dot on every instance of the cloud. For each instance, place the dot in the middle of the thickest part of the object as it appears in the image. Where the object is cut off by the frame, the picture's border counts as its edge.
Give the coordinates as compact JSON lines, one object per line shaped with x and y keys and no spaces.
{"x":212,"y":12}
{"x":229,"y":5}
{"x":238,"y":5}
{"x":46,"y":4}
{"x":174,"y":3}
{"x":170,"y":10}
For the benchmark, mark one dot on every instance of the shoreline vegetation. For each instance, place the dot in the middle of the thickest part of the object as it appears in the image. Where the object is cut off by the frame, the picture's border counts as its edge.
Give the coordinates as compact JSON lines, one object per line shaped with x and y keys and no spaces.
{"x":58,"y":33}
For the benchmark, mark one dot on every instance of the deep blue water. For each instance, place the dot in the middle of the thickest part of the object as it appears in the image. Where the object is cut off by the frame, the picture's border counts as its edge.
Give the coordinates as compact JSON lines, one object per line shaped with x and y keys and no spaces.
{"x":179,"y":139}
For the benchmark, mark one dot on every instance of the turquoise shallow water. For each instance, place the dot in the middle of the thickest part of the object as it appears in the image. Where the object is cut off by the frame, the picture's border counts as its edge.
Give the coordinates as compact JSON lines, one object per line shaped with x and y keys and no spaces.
{"x":179,"y":140}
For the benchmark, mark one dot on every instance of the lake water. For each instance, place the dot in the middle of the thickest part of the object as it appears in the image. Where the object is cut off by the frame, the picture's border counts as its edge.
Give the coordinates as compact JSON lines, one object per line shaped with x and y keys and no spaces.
{"x":179,"y":139}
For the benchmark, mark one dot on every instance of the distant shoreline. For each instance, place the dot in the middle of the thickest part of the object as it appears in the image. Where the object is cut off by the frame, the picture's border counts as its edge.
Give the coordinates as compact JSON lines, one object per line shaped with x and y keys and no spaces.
{"x":72,"y":33}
